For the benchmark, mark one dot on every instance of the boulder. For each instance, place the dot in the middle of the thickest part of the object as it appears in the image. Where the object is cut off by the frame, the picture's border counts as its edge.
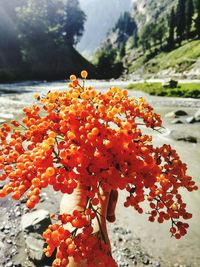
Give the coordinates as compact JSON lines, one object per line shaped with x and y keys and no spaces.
{"x":182,"y":136}
{"x":175,"y":114}
{"x":36,"y":221}
{"x":170,"y":83}
{"x":197,"y":115}
{"x":35,"y":245}
{"x":190,"y":119}
{"x":190,"y":139}
{"x":177,"y":121}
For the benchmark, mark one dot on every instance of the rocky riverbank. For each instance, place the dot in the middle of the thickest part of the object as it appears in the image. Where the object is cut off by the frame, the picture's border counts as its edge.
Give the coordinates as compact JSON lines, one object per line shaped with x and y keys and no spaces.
{"x":21,"y":240}
{"x":135,"y":241}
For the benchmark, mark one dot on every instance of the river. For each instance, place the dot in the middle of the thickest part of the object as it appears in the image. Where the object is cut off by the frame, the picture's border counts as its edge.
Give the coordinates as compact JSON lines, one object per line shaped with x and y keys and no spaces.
{"x":154,"y":237}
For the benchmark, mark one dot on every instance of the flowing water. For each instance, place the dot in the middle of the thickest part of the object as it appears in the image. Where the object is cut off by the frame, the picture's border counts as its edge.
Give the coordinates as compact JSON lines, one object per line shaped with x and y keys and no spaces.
{"x":154,"y":237}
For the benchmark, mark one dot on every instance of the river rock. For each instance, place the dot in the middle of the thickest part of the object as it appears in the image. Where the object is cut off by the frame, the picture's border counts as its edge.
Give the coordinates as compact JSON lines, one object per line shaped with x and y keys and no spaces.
{"x":177,"y":121}
{"x":190,"y":139}
{"x":36,"y":221}
{"x":197,"y":115}
{"x":175,"y":135}
{"x":35,"y":245}
{"x":190,"y":119}
{"x":175,"y":114}
{"x":6,"y":116}
{"x":2,"y":246}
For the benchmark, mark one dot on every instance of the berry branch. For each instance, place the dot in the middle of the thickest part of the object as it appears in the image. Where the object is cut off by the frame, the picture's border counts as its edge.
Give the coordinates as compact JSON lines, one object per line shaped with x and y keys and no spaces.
{"x":81,"y":137}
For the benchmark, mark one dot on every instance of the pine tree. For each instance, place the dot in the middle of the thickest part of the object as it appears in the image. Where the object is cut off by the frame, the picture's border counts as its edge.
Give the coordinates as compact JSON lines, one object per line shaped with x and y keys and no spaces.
{"x":146,"y":36}
{"x":74,"y":24}
{"x":180,"y":21}
{"x":171,"y":25}
{"x":189,"y":12}
{"x":197,"y":21}
{"x":135,"y":39}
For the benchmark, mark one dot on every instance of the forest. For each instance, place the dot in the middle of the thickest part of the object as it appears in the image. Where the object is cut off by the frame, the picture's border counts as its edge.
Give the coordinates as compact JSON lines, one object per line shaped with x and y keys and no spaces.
{"x":37,"y":39}
{"x":165,"y":32}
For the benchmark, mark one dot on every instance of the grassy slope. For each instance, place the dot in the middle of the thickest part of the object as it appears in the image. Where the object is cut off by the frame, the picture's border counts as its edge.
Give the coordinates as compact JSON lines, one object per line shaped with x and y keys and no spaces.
{"x":182,"y":90}
{"x":180,"y":59}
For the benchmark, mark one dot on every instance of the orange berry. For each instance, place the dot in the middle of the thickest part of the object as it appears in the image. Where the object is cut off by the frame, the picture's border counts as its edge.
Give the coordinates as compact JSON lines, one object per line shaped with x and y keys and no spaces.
{"x":72,"y":77}
{"x":95,"y":131}
{"x":30,"y":204}
{"x":50,"y":171}
{"x":16,"y":195}
{"x":84,"y":74}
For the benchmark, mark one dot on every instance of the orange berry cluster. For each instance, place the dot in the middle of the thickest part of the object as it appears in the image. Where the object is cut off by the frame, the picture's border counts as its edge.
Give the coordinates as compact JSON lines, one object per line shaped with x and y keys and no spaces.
{"x":85,"y":137}
{"x":81,"y":243}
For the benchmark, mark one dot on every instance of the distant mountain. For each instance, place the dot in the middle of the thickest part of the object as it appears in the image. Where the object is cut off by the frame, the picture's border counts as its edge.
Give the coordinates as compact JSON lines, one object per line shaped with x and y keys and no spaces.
{"x":142,"y":12}
{"x":101,"y":18}
{"x":147,"y":41}
{"x":145,"y":11}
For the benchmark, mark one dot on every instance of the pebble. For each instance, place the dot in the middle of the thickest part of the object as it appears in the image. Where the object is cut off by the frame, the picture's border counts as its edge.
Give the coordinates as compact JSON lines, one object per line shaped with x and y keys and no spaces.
{"x":120,"y":239}
{"x":23,"y":200}
{"x":132,"y":257}
{"x":26,"y":210}
{"x":18,"y":214}
{"x":123,"y":264}
{"x":145,"y":261}
{"x":13,"y":251}
{"x":12,"y":234}
{"x":2,"y":228}
{"x":9,"y":264}
{"x":126,"y":251}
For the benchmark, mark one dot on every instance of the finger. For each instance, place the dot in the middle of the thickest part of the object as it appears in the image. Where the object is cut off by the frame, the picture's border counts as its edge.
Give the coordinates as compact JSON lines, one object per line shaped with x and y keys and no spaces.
{"x":112,"y":205}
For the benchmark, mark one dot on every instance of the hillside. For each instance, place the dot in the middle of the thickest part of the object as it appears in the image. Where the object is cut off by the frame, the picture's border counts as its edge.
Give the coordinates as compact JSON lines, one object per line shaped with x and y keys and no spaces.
{"x":145,"y":11}
{"x":101,"y":17}
{"x":157,"y":38}
{"x":142,"y":12}
{"x":183,"y":61}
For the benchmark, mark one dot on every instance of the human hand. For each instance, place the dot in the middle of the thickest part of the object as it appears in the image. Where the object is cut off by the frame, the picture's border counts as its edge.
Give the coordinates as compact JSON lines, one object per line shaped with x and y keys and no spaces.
{"x":106,"y":208}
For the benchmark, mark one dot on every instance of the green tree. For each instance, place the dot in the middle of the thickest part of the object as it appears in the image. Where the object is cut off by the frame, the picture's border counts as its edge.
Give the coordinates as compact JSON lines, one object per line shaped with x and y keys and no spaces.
{"x":10,"y":56}
{"x":197,"y":21}
{"x":126,"y":24}
{"x":180,"y":21}
{"x":45,"y":38}
{"x":107,"y":65}
{"x":74,"y":23}
{"x":125,"y":27}
{"x":158,"y":32}
{"x":36,"y":41}
{"x":135,"y":39}
{"x":146,"y":36}
{"x":171,"y":27}
{"x":189,"y":12}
